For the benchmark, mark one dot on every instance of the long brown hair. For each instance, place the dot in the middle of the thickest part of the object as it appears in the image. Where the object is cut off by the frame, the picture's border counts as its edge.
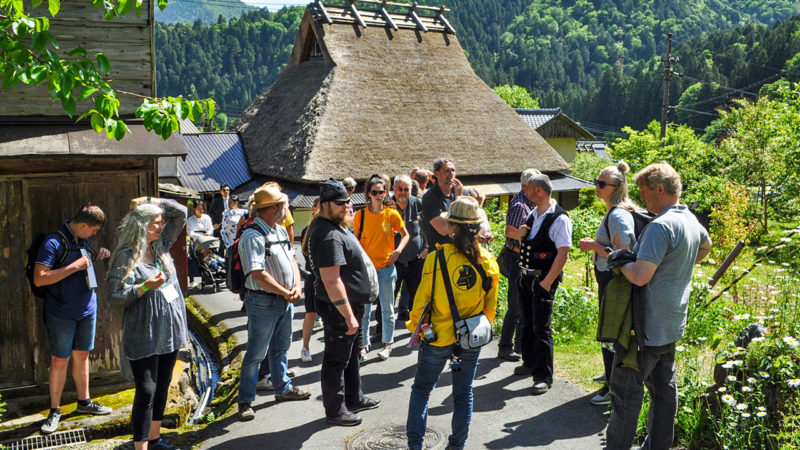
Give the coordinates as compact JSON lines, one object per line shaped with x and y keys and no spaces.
{"x":465,"y":240}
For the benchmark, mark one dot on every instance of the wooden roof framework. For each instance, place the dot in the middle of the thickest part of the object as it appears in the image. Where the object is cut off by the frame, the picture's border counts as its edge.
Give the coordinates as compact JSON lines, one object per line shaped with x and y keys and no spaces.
{"x":331,"y":14}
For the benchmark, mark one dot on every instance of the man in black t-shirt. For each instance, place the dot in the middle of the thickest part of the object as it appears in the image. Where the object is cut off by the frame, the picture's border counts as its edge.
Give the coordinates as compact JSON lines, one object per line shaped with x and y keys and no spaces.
{"x":437,"y":200}
{"x":342,"y":286}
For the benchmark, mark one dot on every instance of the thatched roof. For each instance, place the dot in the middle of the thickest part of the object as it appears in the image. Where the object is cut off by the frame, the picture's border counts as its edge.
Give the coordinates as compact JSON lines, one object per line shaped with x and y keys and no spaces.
{"x":356,"y":100}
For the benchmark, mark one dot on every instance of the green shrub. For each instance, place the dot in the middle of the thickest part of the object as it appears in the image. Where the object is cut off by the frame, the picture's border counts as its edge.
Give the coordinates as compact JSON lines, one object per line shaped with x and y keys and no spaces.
{"x":574,"y":314}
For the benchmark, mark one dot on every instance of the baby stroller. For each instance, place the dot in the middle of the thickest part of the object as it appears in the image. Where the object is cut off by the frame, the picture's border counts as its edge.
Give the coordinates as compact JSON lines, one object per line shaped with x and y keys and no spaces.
{"x":211,"y":272}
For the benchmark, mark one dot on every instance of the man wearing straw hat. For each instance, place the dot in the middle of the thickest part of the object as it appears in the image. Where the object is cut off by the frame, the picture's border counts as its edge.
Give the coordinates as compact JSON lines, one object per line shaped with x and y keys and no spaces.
{"x":273,"y":285}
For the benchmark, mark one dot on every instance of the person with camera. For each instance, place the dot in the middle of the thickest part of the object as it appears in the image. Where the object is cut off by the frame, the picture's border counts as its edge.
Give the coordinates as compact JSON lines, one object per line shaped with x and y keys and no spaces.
{"x":465,"y":275}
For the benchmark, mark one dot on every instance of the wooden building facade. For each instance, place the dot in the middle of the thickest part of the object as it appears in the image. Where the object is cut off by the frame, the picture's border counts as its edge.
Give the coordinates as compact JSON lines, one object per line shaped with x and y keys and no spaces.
{"x":50,"y":167}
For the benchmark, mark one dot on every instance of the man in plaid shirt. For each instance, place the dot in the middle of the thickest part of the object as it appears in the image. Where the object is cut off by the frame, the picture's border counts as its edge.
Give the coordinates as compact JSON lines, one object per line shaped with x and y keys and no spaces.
{"x":518,"y":210}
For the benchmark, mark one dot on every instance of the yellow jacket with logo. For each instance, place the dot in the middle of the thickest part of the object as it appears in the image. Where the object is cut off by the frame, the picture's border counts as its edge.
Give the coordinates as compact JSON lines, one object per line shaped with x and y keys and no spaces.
{"x":468,"y":292}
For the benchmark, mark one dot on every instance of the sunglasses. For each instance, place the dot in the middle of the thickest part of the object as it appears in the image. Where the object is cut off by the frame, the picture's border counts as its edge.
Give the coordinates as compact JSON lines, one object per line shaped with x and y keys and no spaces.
{"x":376,"y":192}
{"x":602,"y":184}
{"x":341,"y":202}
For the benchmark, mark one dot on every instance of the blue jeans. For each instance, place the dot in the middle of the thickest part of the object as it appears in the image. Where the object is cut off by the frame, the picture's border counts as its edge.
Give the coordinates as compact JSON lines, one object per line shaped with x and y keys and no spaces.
{"x":67,"y":335}
{"x":657,"y":372}
{"x":269,"y":326}
{"x":430,"y":362}
{"x":386,"y":278}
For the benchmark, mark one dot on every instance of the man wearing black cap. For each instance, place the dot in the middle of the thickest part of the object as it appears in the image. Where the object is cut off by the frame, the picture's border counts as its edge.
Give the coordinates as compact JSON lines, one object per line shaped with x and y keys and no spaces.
{"x":342,"y":288}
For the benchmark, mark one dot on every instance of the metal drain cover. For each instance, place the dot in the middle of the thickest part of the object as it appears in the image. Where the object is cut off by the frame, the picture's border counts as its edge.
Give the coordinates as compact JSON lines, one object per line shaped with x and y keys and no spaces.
{"x":394,"y":437}
{"x":55,"y":440}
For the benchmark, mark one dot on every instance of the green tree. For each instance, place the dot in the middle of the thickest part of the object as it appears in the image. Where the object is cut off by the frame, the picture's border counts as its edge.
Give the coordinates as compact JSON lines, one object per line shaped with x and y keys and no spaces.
{"x":760,"y":141}
{"x":28,"y":56}
{"x":516,"y":96}
{"x":696,"y":161}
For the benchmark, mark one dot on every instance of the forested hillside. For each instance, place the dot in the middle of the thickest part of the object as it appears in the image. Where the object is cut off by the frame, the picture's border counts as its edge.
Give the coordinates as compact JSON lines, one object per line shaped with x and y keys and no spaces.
{"x":597,"y":60}
{"x":230,"y":61}
{"x":187,"y":11}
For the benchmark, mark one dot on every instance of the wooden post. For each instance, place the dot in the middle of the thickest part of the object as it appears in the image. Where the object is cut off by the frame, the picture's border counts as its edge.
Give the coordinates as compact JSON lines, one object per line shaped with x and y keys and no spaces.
{"x":356,"y":15}
{"x":440,"y":15}
{"x":415,"y":17}
{"x":386,"y":16}
{"x":324,"y":12}
{"x":725,"y":264}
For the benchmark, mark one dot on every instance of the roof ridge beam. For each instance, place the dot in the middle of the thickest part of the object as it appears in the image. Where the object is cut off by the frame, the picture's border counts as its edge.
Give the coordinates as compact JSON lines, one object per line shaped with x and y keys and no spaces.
{"x":386,"y":16}
{"x":447,"y":26}
{"x":415,"y":17}
{"x":356,"y":15}
{"x":324,"y":12}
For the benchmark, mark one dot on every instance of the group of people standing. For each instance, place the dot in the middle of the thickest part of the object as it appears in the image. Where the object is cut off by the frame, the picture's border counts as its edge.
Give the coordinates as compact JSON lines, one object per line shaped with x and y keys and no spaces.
{"x":431,"y":242}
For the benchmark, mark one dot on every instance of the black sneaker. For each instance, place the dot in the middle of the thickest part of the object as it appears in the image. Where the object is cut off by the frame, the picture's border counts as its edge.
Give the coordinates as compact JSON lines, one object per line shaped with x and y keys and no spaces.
{"x":346,"y":420}
{"x":93,"y":408}
{"x":522,"y":370}
{"x":509,"y":355}
{"x":51,"y":423}
{"x":160,"y":444}
{"x":368,"y":403}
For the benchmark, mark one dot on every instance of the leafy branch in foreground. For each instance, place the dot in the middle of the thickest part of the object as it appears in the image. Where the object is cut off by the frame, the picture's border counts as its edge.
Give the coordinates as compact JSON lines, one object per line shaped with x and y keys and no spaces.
{"x":28,"y":56}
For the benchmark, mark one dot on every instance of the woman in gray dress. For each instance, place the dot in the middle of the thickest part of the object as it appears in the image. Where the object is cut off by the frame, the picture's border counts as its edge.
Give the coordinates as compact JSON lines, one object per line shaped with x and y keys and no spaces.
{"x":144,"y":281}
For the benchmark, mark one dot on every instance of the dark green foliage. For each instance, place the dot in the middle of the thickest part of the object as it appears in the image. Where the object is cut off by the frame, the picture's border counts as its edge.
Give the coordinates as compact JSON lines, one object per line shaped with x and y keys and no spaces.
{"x":189,"y":11}
{"x":598,"y":60}
{"x":232,"y":61}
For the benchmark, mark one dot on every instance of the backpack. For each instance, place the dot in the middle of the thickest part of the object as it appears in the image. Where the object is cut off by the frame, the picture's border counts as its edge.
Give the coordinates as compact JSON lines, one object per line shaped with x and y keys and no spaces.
{"x":234,"y":273}
{"x":641,"y":218}
{"x":33,"y":251}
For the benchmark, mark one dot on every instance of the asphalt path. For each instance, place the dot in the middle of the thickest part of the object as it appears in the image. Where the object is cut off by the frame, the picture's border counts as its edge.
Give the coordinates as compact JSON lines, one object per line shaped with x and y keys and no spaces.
{"x":505,"y":413}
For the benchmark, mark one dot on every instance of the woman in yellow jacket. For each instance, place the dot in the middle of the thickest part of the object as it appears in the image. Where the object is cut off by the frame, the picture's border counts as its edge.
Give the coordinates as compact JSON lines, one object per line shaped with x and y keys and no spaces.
{"x":462,"y":257}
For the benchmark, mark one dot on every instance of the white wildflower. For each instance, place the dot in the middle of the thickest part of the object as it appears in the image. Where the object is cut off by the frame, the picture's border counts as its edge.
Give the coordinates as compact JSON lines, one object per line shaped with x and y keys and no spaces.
{"x":727,"y":398}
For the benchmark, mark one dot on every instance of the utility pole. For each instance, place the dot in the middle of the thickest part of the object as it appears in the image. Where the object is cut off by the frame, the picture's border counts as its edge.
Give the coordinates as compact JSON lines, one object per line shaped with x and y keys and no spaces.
{"x":668,"y":73}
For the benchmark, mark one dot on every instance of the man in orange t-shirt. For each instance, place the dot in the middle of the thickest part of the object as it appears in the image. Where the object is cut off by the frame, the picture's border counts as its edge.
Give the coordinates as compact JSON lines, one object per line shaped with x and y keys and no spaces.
{"x":374,"y":226}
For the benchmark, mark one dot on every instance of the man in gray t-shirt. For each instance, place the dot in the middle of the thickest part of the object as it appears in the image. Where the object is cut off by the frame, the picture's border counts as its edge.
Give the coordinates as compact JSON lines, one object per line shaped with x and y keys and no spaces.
{"x":666,"y":253}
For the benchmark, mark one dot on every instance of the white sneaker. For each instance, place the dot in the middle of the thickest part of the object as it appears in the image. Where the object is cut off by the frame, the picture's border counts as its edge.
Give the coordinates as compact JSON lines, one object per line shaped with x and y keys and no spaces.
{"x":385,"y":351}
{"x":305,"y":355}
{"x":264,"y":384}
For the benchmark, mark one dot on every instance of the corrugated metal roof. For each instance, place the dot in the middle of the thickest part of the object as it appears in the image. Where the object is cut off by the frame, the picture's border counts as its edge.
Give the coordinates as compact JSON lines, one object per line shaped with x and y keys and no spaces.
{"x":536,"y":118}
{"x":214,"y":159}
{"x":561,"y":182}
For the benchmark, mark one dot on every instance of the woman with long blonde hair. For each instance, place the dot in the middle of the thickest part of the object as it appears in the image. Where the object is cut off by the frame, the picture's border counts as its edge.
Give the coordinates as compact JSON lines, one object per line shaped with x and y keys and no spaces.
{"x":616,"y":231}
{"x":143,"y":280}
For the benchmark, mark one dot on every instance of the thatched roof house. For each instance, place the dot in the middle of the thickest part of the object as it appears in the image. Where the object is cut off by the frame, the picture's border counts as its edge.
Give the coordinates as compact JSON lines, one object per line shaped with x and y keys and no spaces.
{"x":369,"y":91}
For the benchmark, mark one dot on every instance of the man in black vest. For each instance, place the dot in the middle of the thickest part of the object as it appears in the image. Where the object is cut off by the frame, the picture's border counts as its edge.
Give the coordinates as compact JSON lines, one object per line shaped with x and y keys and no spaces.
{"x":546,"y":238}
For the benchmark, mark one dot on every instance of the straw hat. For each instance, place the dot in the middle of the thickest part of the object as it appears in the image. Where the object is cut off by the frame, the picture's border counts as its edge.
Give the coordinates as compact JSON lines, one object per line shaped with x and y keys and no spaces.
{"x":268,"y":195}
{"x":463,"y":210}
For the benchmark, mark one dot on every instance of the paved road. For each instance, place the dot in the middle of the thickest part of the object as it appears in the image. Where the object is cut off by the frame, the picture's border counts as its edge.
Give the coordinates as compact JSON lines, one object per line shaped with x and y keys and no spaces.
{"x":505,"y":414}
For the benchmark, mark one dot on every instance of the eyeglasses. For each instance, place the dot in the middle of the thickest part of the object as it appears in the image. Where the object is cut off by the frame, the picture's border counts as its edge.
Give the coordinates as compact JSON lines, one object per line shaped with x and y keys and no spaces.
{"x":403,"y":189}
{"x":602,"y":184}
{"x":341,"y":202}
{"x":376,"y":192}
